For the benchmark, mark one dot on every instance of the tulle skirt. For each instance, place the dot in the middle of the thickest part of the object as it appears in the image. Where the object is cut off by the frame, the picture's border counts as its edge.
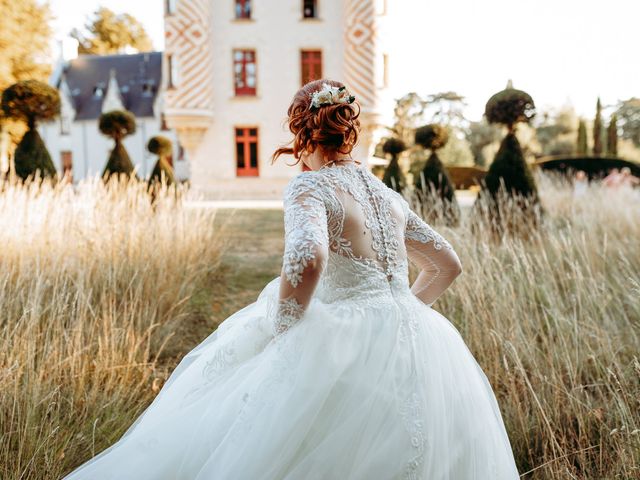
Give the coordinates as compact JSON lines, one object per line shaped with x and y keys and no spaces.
{"x":358,"y":390}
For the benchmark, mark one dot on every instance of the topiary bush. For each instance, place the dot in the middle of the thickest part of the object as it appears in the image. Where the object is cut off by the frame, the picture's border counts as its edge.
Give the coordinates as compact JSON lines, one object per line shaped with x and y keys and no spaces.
{"x":510,"y":106}
{"x":393,"y":176}
{"x":509,"y":181}
{"x":31,"y":101}
{"x":117,"y":124}
{"x":434,"y":181}
{"x":162,"y":171}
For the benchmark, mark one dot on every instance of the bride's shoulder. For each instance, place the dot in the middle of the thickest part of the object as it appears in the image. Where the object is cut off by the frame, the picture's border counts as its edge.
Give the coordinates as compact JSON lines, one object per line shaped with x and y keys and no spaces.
{"x":307,"y":182}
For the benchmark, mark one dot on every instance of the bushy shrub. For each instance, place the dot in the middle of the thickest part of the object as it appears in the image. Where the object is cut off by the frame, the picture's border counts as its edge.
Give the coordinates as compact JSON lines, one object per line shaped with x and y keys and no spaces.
{"x":31,"y":101}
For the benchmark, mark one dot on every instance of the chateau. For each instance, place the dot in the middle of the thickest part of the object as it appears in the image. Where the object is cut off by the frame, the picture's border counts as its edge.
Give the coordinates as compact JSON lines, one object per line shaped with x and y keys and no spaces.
{"x":90,"y":85}
{"x":231,"y":68}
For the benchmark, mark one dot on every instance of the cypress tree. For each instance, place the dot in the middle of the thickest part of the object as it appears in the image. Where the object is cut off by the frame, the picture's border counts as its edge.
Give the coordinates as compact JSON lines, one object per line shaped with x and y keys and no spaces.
{"x":597,"y":130}
{"x":582,"y":146}
{"x":612,"y":136}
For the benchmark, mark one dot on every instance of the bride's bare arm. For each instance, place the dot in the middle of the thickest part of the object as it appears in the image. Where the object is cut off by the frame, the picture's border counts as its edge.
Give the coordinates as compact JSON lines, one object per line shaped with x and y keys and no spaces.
{"x":437,"y":260}
{"x":305,"y":250}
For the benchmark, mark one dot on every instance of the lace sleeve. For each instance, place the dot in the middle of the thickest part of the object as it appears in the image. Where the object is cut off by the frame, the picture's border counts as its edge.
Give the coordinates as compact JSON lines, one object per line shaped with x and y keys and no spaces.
{"x":435,"y":256}
{"x":305,"y":249}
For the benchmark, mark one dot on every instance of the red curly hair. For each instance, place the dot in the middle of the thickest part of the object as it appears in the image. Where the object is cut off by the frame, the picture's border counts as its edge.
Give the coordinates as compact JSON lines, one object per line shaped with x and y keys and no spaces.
{"x":335,"y":127}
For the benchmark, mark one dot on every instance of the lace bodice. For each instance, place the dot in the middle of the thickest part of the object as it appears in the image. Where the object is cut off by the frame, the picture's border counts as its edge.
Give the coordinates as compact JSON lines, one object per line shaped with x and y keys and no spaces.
{"x":348,"y":235}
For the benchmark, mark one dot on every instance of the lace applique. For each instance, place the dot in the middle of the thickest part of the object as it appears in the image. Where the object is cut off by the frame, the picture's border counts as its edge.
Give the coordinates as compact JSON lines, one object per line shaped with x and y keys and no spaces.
{"x":412,"y":414}
{"x":420,"y":231}
{"x":305,"y":225}
{"x":289,"y":313}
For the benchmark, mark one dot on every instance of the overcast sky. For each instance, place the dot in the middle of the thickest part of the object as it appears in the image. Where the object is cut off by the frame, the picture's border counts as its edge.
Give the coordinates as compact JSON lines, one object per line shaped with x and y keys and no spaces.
{"x":559,"y":51}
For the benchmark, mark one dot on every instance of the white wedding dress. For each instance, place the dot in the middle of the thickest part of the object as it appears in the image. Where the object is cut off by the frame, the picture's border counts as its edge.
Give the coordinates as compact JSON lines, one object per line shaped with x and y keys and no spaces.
{"x":338,"y":371}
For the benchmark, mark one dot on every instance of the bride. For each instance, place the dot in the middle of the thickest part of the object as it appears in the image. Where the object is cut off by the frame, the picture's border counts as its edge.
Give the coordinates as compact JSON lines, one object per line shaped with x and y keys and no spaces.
{"x":340,"y":370}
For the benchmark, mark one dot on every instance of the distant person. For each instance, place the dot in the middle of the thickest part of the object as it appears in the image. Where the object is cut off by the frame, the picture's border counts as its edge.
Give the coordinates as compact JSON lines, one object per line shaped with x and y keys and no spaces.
{"x":580,"y":183}
{"x":613,"y":179}
{"x":627,"y":179}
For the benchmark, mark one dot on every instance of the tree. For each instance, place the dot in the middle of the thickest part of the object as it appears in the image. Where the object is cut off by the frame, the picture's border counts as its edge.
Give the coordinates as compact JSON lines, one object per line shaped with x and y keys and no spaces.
{"x":31,"y":101}
{"x":509,"y":176}
{"x":510,"y":106}
{"x":612,"y":136}
{"x":597,"y":130}
{"x":109,"y":32}
{"x":480,"y":135}
{"x":393,"y":175}
{"x":117,"y":124}
{"x":582,"y":146}
{"x":434,"y":180}
{"x":162,"y":171}
{"x":25,"y":35}
{"x":628,"y":116}
{"x":556,"y":133}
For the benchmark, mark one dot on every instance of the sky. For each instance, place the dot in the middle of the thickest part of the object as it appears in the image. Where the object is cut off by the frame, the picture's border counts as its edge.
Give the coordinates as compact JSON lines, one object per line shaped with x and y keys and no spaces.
{"x":559,"y":51}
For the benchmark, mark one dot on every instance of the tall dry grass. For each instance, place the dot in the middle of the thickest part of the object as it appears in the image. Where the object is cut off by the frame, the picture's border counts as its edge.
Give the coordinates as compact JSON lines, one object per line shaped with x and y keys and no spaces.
{"x":93,"y":282}
{"x":553,"y":317}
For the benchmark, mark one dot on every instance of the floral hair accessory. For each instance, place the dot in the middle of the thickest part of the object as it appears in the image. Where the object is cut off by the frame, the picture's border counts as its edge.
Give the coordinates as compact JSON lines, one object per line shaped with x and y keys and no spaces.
{"x":329,"y":95}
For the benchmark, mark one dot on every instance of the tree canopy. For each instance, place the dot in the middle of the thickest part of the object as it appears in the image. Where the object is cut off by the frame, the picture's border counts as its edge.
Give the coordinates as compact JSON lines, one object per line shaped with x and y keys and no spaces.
{"x":509,"y":107}
{"x":24,"y":40}
{"x":117,"y":124}
{"x":31,"y":100}
{"x":108,"y":32}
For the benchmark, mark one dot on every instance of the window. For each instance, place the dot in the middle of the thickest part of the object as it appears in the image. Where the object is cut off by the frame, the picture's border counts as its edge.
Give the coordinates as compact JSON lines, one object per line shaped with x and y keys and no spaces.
{"x":311,"y":65}
{"x":172,"y":69}
{"x":65,"y":125}
{"x":244,"y":68}
{"x":170,"y":7}
{"x":243,"y":8}
{"x":309,"y":9}
{"x":66,"y":158}
{"x":247,"y":152}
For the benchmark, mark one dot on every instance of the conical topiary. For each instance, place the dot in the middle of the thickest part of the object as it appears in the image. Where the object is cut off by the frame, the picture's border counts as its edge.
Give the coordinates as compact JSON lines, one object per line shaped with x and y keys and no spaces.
{"x":31,"y":101}
{"x":508,"y":198}
{"x":510,"y":168}
{"x":393,"y":175}
{"x":117,"y":124}
{"x":162,"y":171}
{"x":433,"y":180}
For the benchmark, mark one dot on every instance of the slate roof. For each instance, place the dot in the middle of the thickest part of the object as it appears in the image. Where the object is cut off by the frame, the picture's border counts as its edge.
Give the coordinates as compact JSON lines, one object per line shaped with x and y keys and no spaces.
{"x":139,"y":77}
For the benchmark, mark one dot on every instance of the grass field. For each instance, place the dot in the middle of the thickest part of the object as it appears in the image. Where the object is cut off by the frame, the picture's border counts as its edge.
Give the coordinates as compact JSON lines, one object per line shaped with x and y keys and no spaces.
{"x":102,"y":295}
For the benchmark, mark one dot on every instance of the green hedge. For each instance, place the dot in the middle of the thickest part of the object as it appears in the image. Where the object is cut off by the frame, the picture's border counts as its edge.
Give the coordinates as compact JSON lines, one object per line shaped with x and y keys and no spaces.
{"x":594,"y":167}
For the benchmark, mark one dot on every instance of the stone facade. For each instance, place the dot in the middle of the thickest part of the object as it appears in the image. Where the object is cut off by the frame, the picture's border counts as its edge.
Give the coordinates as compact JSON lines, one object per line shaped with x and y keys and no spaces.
{"x":205,"y":38}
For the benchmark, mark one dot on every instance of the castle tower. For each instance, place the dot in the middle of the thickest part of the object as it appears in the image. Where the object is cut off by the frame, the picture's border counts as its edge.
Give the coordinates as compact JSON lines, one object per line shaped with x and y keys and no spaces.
{"x":232,"y":67}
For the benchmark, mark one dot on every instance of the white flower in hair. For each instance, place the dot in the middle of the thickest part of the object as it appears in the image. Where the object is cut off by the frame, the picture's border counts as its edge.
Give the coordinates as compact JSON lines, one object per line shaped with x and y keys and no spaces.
{"x":329,"y":95}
